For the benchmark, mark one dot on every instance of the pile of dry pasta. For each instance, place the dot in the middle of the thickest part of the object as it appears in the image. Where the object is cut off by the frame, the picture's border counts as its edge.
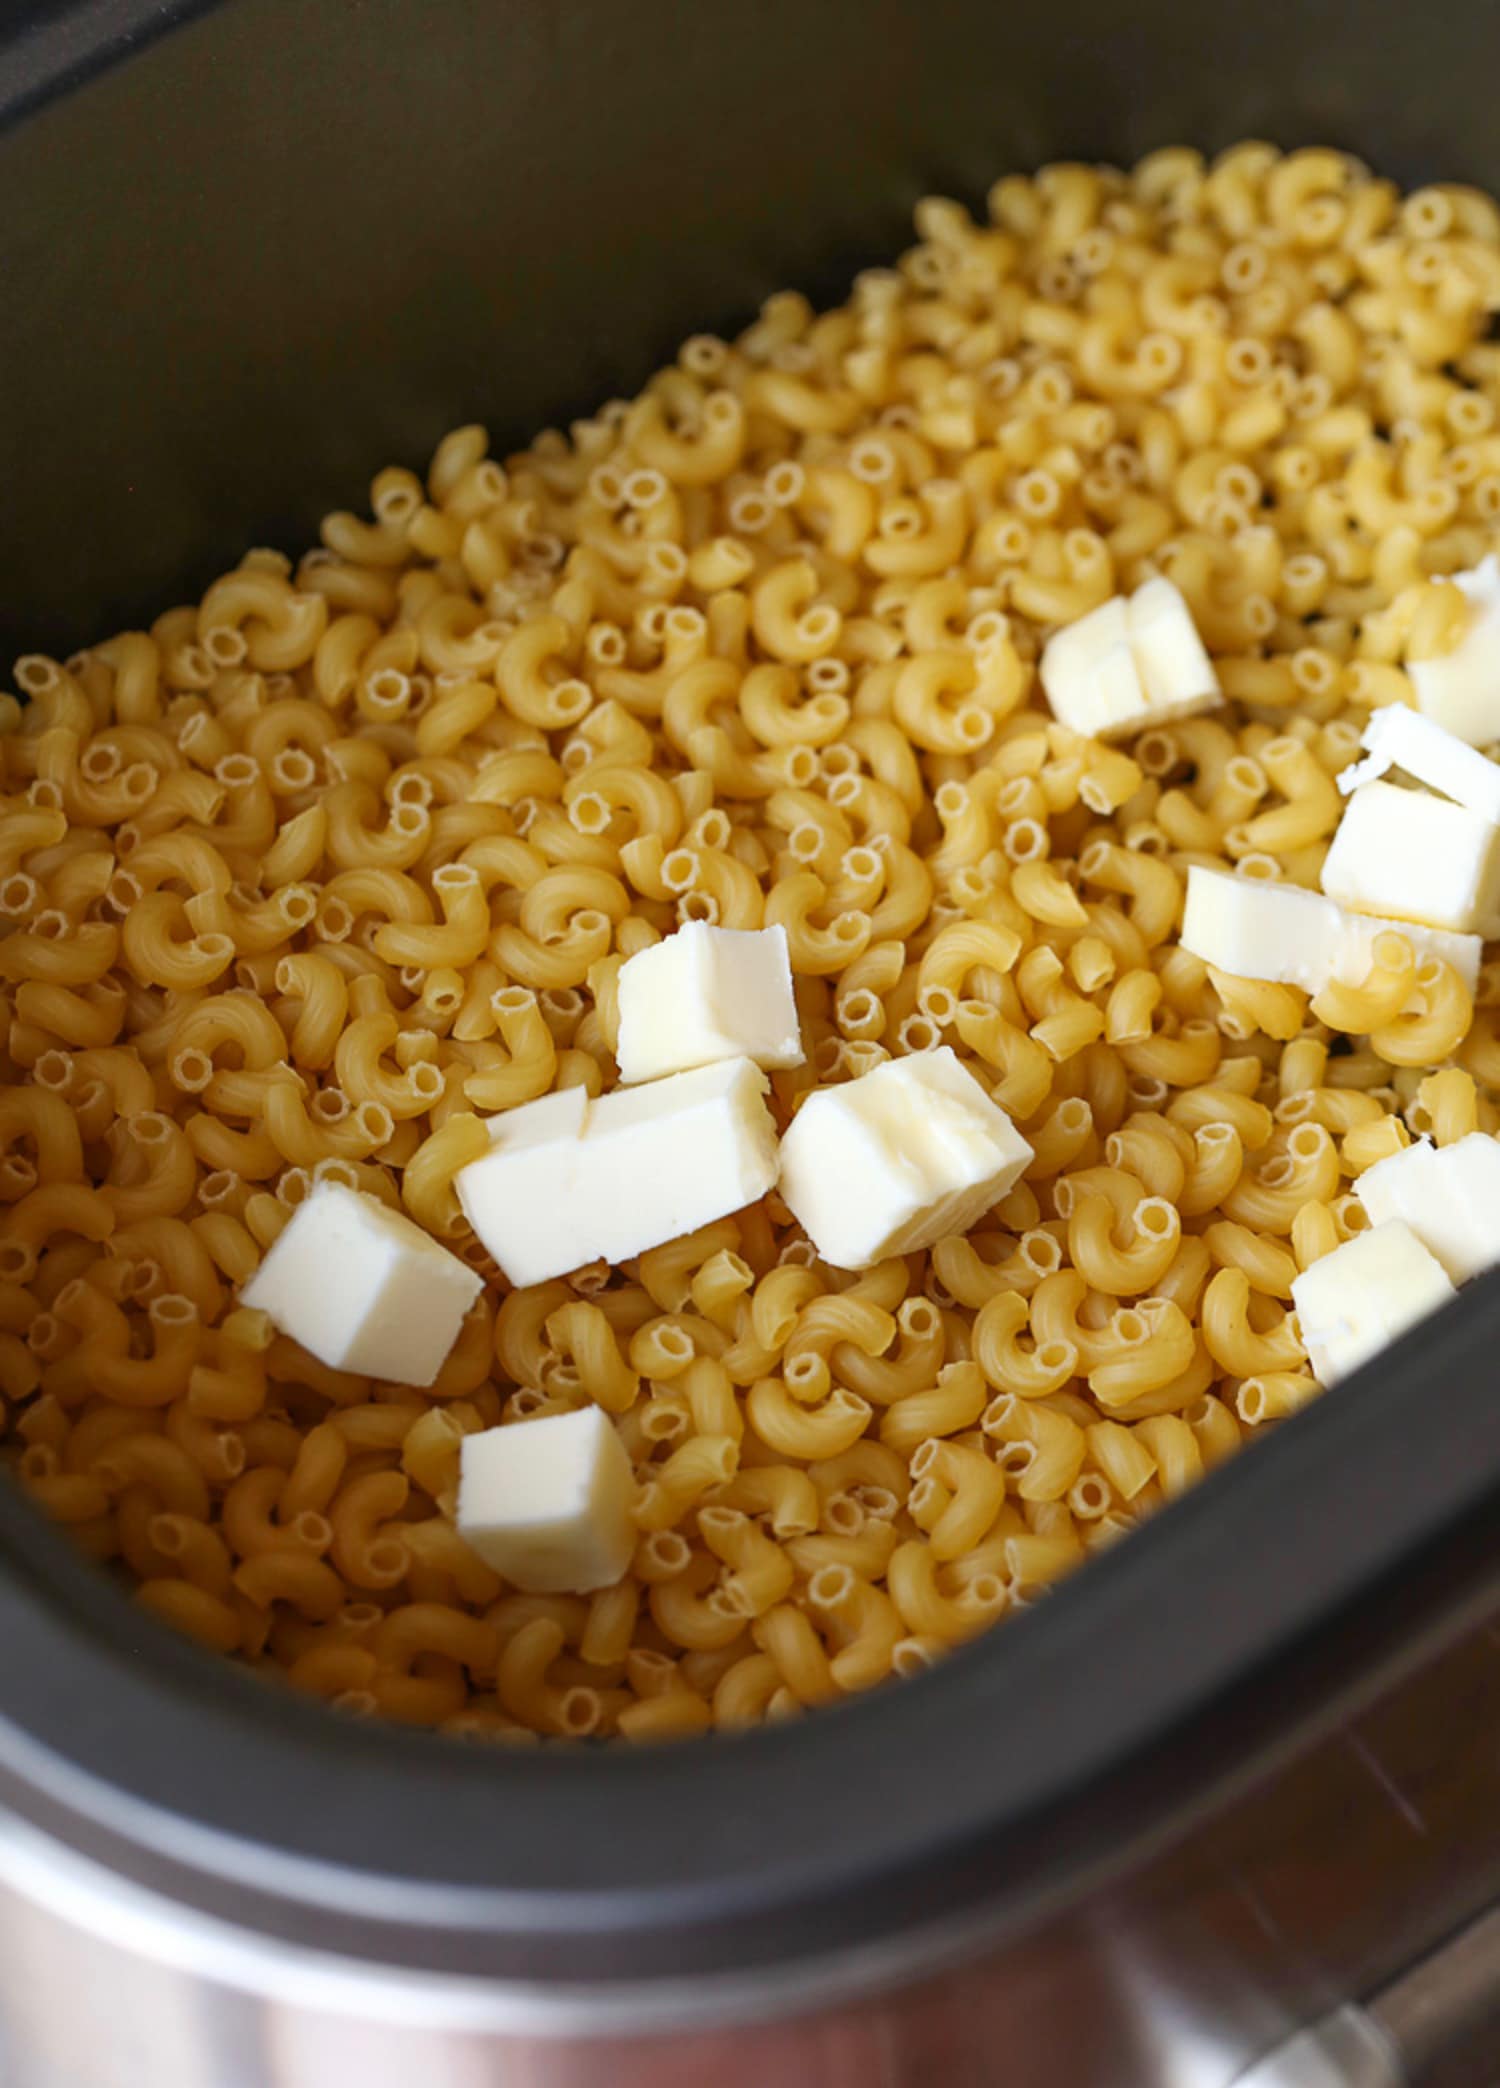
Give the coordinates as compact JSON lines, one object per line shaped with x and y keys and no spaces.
{"x":308,"y":879}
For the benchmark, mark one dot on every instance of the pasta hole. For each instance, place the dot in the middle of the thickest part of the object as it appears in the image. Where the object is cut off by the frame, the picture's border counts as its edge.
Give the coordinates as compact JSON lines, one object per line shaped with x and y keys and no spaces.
{"x":590,"y":813}
{"x":298,"y":905}
{"x":843,"y":1515}
{"x":100,"y":763}
{"x":293,"y":769}
{"x":225,"y":646}
{"x":667,"y":1553}
{"x":675,"y":1345}
{"x":1252,"y":1402}
{"x":191,"y":1070}
{"x":663,"y":1424}
{"x":170,"y":1534}
{"x":919,"y":1319}
{"x":1027,"y":841}
{"x":681,"y":623}
{"x":1041,"y":1252}
{"x":386,"y":1561}
{"x":53,"y":1070}
{"x":36,"y":675}
{"x":939,"y":1004}
{"x":237,"y":771}
{"x":20,"y":895}
{"x":172,"y":1310}
{"x":1307,"y":1142}
{"x":341,"y":1172}
{"x":830,"y":1587}
{"x":374,"y":1123}
{"x":46,"y":1334}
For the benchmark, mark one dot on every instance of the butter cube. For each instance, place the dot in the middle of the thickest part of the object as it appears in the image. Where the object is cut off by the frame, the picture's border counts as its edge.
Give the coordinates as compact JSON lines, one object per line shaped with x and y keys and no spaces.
{"x":1460,"y":690}
{"x":1448,"y":1195}
{"x":1357,"y":1300}
{"x":706,"y":994}
{"x":903,"y":1156}
{"x":1416,"y":857}
{"x":362,"y":1288}
{"x":1131,"y":663}
{"x":1398,"y":738}
{"x":1259,"y":929}
{"x":569,"y":1179}
{"x":547,"y":1503}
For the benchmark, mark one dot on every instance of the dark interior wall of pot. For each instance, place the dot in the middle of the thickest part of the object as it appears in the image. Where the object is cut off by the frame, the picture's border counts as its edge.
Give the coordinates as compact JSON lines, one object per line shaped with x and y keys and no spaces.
{"x":299,"y":241}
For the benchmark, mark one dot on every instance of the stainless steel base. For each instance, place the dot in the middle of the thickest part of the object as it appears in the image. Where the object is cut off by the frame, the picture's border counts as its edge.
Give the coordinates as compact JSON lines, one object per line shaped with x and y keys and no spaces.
{"x":1297,"y":1940}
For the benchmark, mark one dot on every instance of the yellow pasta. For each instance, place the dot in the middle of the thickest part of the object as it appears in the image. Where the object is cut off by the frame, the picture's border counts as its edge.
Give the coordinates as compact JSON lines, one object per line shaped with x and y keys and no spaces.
{"x":309,"y":880}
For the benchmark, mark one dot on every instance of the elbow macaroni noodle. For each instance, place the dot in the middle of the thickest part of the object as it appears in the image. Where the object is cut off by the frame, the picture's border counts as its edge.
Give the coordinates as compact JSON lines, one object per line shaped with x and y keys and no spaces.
{"x":307,"y":880}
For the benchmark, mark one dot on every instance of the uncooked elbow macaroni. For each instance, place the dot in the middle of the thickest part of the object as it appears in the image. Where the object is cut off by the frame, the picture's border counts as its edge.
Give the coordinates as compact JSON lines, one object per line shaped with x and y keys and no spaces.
{"x":305,"y":882}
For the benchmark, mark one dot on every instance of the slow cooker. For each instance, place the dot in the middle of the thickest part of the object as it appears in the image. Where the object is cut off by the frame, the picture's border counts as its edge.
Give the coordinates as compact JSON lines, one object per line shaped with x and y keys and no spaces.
{"x":1227,"y":1808}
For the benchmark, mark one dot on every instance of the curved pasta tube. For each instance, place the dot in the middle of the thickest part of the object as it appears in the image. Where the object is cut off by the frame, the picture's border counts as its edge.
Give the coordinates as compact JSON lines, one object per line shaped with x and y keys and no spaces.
{"x":700,"y":460}
{"x":280,"y":627}
{"x":864,"y":1623}
{"x":462,"y":937}
{"x":912,"y":1581}
{"x":1030,"y":1373}
{"x":48,"y":1123}
{"x":1123,"y":1271}
{"x":954,"y":1403}
{"x":1232,"y":1340}
{"x":59,"y":953}
{"x":359,"y":1061}
{"x":299,"y":1137}
{"x":1434,"y":1021}
{"x":606,"y":791}
{"x":791,"y":1429}
{"x":814,"y":949}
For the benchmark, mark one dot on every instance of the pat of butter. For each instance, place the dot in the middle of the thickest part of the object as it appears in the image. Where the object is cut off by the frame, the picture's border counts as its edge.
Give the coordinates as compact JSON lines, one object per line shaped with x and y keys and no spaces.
{"x":1358,"y":1299}
{"x":1448,"y":1195}
{"x":1460,"y":690}
{"x":1399,"y":738}
{"x":547,"y":1503}
{"x":1259,"y":929}
{"x":569,"y":1179}
{"x":1415,"y":857}
{"x":1131,"y":663}
{"x":706,"y":994}
{"x":362,"y":1288}
{"x":907,"y":1154}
